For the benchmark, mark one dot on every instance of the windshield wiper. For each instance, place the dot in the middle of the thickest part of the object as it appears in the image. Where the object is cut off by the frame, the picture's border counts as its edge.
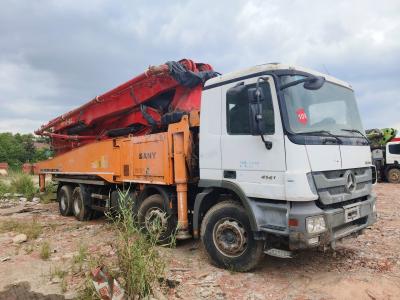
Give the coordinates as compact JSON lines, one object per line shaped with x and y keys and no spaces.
{"x":359,"y":132}
{"x":310,"y":83}
{"x":323,"y":131}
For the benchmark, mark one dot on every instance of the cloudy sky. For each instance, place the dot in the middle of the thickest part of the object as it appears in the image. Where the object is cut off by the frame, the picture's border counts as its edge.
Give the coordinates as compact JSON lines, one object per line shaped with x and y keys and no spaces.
{"x":56,"y":55}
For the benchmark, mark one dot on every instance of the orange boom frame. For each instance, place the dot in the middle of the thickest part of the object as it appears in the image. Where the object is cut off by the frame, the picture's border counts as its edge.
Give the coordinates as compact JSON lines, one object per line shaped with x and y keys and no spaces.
{"x":162,"y":159}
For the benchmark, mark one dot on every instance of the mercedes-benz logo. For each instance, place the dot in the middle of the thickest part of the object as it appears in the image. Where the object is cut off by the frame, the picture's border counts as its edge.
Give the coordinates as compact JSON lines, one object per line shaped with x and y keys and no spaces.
{"x":350,"y":181}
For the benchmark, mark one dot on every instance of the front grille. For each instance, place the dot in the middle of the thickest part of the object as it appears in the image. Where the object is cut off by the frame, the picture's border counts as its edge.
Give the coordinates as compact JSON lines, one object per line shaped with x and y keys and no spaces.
{"x":331,"y":185}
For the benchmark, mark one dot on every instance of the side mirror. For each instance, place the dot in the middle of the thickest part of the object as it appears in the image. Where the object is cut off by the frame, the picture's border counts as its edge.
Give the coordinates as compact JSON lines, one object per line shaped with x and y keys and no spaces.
{"x":236,"y":90}
{"x":256,"y":97}
{"x":314,"y":83}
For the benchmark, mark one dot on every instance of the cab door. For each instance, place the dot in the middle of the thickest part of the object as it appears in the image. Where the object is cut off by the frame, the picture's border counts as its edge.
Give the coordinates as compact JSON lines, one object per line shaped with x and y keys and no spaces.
{"x":246,"y":161}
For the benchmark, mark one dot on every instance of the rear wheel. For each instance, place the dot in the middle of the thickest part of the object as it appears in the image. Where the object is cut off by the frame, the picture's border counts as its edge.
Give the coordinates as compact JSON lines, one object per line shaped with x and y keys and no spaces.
{"x":65,"y":202}
{"x":81,"y":211}
{"x":394,"y":175}
{"x":227,"y":237}
{"x":153,"y":217}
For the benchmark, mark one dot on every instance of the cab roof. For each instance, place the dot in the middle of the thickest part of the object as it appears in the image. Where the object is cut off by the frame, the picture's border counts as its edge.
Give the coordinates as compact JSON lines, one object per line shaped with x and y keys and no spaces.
{"x":272,"y":67}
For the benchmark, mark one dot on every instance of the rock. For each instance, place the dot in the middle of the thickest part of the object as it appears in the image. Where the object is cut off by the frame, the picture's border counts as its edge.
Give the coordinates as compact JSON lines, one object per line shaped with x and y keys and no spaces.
{"x":23,"y":199}
{"x":5,"y":258}
{"x":35,"y":199}
{"x":56,"y":280}
{"x":205,"y":293}
{"x":20,"y":238}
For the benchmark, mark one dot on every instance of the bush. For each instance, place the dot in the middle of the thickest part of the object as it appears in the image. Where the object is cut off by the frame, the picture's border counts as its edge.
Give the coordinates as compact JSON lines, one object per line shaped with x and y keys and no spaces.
{"x":23,"y":184}
{"x":139,"y":261}
{"x":45,"y":250}
{"x":4,"y":189}
{"x":138,"y":266}
{"x":50,"y":192}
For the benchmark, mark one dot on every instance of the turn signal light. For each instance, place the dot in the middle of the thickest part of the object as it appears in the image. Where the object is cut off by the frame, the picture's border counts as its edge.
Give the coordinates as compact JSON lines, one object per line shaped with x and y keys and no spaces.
{"x":293,"y":222}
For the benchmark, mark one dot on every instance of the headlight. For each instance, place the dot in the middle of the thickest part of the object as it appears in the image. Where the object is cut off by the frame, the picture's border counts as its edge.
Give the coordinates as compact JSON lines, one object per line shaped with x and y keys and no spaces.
{"x":315,"y":224}
{"x":374,"y":207}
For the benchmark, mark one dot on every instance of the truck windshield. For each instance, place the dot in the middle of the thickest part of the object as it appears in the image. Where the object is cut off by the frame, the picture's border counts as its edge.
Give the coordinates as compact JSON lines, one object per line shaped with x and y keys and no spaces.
{"x":331,"y":108}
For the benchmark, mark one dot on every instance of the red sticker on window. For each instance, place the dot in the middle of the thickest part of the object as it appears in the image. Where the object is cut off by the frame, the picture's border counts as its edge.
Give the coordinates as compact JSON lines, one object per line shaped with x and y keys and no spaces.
{"x":301,"y":116}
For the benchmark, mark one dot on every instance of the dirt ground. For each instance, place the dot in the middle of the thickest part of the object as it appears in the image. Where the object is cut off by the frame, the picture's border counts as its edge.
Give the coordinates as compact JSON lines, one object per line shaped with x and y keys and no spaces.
{"x":366,"y":267}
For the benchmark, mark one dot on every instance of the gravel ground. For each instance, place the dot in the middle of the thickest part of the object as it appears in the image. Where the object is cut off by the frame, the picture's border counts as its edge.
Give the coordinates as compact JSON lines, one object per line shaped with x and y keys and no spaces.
{"x":366,"y":267}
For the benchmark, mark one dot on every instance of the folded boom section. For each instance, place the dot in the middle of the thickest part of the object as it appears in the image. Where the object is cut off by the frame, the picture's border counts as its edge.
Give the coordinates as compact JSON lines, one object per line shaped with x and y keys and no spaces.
{"x":142,"y":105}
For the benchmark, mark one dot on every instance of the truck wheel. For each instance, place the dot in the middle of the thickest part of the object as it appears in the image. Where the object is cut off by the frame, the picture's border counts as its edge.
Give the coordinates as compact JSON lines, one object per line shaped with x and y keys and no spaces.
{"x":81,"y":211}
{"x":227,"y":237}
{"x":394,"y":175}
{"x":64,"y":198}
{"x":155,"y":220}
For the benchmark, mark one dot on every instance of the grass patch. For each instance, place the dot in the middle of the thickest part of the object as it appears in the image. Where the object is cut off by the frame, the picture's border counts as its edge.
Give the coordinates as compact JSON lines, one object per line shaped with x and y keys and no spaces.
{"x":45,"y":250}
{"x":138,"y":265}
{"x":4,"y":189}
{"x":80,"y":258}
{"x":60,"y":273}
{"x":32,"y":229}
{"x":47,"y":198}
{"x":139,"y":261}
{"x":50,"y":194}
{"x":87,"y":291}
{"x":23,"y":184}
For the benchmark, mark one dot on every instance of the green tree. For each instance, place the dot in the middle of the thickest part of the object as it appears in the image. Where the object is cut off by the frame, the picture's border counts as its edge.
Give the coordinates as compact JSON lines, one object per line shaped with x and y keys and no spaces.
{"x":20,"y":148}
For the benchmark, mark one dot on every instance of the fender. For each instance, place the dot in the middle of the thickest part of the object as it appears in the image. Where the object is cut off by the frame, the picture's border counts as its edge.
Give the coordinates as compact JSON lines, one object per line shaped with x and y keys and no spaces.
{"x":160,"y":190}
{"x":210,"y":186}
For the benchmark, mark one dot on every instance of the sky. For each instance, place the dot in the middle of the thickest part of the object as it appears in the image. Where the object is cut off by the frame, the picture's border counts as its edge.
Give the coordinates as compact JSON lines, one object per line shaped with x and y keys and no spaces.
{"x":58,"y":54}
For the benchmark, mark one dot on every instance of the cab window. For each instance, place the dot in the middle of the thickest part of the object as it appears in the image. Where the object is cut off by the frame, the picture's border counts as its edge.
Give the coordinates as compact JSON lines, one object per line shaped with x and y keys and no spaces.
{"x":238,"y":111}
{"x":394,"y":149}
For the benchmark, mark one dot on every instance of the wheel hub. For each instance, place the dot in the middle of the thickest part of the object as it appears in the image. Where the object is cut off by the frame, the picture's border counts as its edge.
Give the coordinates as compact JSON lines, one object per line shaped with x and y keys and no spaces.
{"x":394,"y":176}
{"x":230,"y":237}
{"x":156,"y":220}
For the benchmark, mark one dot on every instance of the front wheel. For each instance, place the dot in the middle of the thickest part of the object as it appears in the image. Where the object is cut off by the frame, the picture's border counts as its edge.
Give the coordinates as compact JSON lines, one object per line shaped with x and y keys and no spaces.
{"x":394,"y":175}
{"x":227,"y":237}
{"x":153,"y":217}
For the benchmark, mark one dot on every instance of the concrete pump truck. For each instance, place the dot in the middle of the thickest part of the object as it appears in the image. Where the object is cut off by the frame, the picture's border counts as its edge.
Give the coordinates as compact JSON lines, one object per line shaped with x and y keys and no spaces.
{"x":270,"y":159}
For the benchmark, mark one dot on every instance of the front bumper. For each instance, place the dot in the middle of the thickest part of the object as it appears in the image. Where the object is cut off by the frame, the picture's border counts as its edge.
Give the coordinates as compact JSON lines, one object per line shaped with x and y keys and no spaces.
{"x":337,"y":227}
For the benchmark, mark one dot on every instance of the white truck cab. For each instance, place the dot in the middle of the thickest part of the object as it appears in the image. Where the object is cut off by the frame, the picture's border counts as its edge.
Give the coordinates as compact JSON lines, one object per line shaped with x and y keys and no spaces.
{"x":393,"y":153}
{"x":286,"y":142}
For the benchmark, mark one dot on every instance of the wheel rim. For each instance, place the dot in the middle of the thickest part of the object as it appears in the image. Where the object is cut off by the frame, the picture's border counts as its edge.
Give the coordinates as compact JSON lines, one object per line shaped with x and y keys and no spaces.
{"x":394,"y":176}
{"x":77,"y":208}
{"x":230,"y":237}
{"x":63,"y":202}
{"x":156,"y":220}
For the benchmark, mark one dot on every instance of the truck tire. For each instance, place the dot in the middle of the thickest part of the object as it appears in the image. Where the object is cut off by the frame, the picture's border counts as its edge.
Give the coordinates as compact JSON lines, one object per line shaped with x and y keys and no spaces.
{"x":64,"y":197}
{"x":393,"y":175}
{"x":152,"y":210}
{"x":227,"y":237}
{"x":81,"y":211}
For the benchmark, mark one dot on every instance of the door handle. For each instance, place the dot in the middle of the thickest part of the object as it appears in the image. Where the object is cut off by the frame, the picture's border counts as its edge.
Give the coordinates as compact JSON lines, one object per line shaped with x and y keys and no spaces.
{"x":230,"y":174}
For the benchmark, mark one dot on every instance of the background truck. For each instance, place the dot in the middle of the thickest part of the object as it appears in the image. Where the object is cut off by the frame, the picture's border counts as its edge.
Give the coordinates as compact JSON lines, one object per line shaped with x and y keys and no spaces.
{"x":269,"y":159}
{"x":385,"y":148}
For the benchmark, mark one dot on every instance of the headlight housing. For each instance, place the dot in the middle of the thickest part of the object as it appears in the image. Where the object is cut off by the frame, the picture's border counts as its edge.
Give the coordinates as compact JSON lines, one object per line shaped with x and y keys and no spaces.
{"x":311,"y":183}
{"x":315,"y":224}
